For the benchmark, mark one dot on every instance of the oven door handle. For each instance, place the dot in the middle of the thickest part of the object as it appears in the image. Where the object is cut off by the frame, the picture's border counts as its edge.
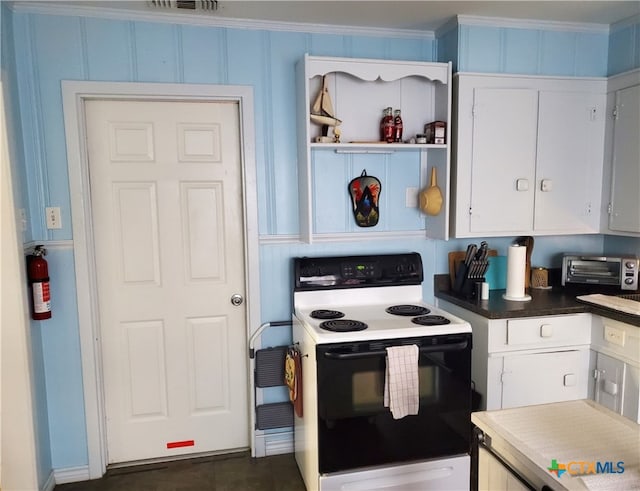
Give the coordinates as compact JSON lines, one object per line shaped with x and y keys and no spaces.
{"x":336,"y":355}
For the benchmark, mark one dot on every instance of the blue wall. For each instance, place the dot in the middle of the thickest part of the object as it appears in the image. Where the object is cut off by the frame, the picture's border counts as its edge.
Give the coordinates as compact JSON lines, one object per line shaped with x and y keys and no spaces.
{"x":48,"y":49}
{"x":532,"y":51}
{"x":624,"y":47}
{"x":14,"y":138}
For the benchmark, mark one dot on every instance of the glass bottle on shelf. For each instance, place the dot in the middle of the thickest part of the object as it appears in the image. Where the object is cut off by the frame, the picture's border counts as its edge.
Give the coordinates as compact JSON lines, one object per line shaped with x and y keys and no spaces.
{"x":386,"y":126}
{"x":397,"y":126}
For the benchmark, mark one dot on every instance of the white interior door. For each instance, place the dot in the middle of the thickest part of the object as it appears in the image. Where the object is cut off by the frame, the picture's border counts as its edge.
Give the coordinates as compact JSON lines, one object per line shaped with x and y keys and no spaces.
{"x":166,"y":200}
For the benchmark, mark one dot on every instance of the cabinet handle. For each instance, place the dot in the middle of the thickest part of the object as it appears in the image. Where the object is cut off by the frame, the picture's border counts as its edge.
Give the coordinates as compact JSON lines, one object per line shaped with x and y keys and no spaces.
{"x":546,"y":330}
{"x":522,"y":185}
{"x":570,"y":380}
{"x":546,"y":185}
{"x":610,"y":387}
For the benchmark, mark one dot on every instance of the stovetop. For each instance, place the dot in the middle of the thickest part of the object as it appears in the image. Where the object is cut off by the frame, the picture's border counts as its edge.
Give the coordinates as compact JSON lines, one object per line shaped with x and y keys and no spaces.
{"x":361,"y":289}
{"x":370,"y":307}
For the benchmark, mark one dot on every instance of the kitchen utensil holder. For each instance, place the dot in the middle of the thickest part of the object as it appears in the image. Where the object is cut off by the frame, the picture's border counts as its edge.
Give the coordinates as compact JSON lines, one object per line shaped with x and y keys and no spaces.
{"x":468,"y":276}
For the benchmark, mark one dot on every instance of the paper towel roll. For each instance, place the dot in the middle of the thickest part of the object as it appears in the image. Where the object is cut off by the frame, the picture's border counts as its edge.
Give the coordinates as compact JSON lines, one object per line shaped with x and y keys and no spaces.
{"x":516,"y":267}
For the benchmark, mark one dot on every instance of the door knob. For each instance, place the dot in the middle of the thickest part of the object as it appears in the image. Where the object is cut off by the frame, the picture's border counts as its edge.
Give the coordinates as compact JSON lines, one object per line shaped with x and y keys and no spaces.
{"x":236,"y":299}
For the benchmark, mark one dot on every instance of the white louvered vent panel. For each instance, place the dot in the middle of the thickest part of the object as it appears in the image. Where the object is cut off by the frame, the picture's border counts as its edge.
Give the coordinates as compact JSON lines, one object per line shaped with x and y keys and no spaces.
{"x":208,"y":5}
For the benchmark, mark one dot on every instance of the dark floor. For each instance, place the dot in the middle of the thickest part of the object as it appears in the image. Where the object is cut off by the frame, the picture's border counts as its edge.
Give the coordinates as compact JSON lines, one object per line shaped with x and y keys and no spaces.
{"x":220,"y":473}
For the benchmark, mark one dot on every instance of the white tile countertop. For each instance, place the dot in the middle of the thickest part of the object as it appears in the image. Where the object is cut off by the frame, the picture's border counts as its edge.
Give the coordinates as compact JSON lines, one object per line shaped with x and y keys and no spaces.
{"x":582,"y":437}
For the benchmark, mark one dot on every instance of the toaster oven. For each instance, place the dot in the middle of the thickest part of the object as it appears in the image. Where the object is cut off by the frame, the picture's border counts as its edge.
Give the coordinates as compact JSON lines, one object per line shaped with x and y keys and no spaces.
{"x":616,"y":271}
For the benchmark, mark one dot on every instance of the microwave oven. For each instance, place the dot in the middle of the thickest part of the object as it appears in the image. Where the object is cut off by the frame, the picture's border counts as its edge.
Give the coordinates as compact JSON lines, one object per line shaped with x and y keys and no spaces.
{"x":615,"y":271}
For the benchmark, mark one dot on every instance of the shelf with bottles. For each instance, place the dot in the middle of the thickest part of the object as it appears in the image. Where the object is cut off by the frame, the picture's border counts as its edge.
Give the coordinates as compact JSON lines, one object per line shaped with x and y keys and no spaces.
{"x":349,"y":97}
{"x":359,"y":91}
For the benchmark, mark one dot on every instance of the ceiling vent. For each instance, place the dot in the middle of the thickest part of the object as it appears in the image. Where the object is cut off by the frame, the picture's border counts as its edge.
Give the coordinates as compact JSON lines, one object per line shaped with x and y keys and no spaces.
{"x":208,"y":5}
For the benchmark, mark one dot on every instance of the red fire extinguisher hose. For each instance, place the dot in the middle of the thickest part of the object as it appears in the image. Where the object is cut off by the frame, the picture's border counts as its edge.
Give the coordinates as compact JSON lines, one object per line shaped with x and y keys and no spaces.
{"x":38,"y":273}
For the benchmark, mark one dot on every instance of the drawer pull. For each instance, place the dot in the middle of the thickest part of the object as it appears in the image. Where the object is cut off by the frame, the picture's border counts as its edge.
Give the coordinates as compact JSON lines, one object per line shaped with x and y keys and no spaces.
{"x":546,"y":330}
{"x":570,"y":380}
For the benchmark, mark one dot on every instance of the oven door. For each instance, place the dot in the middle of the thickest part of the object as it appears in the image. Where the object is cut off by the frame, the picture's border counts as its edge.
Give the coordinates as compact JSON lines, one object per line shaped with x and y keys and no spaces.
{"x":355,"y":429}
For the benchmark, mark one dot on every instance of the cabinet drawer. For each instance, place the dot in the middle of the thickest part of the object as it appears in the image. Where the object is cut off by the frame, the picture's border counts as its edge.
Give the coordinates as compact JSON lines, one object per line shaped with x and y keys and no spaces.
{"x":542,"y":332}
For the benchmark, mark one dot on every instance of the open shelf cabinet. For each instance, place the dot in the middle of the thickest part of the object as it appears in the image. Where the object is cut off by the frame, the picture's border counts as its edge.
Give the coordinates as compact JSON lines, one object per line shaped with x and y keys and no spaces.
{"x":360,"y":89}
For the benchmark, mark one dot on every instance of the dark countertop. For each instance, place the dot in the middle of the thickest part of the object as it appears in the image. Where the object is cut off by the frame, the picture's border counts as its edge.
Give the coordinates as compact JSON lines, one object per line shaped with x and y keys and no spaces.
{"x":555,"y":301}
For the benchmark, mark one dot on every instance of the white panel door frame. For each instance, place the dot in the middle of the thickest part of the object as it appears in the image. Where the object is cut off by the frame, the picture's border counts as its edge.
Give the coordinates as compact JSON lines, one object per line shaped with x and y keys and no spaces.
{"x":74,"y":95}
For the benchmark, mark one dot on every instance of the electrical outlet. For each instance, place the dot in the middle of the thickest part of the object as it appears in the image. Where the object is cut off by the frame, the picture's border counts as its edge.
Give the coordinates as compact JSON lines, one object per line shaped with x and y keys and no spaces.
{"x":411,"y":198}
{"x":53,"y":217}
{"x":614,"y":335}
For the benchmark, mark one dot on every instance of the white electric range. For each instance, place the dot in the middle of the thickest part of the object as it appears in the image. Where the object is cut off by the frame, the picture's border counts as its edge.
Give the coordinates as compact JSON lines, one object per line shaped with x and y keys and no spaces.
{"x":347,"y":311}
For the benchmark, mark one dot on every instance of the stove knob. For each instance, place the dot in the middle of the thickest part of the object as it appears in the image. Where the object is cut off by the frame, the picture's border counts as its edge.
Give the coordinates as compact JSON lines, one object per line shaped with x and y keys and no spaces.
{"x":630,"y":264}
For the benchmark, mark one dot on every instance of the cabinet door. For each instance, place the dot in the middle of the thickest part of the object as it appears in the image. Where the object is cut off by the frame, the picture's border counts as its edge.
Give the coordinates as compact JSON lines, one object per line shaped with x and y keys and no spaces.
{"x":631,"y":393}
{"x":609,"y":382}
{"x":625,"y":199}
{"x":503,"y":160}
{"x":493,"y":475}
{"x":569,"y":162}
{"x":541,"y":378}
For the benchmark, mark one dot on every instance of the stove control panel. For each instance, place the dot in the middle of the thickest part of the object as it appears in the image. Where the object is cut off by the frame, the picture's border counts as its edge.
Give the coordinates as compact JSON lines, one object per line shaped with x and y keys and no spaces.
{"x":359,"y":270}
{"x":317,"y":273}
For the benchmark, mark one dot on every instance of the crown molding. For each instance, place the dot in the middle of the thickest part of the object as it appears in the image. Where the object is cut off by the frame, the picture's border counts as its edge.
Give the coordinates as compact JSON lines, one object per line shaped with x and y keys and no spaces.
{"x":210,"y":20}
{"x":472,"y":20}
{"x":446,"y":27}
{"x":623,"y":80}
{"x":624,"y":23}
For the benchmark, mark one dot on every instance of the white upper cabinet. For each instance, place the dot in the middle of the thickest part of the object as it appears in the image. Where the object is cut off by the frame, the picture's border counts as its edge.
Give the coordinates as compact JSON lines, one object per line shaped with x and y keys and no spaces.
{"x":503,"y":170}
{"x":528,"y":155}
{"x":624,"y":200}
{"x":359,"y":90}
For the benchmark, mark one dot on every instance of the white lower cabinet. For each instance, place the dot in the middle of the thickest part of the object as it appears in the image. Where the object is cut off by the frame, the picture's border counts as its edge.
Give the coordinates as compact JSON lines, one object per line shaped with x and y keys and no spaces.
{"x":616,"y":375}
{"x":492,"y":474}
{"x":530,"y":360}
{"x":539,"y":378}
{"x":608,"y":382}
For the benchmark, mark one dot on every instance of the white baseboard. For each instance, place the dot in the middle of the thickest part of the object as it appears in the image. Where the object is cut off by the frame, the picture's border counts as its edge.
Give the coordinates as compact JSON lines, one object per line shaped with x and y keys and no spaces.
{"x":71,"y":474}
{"x":281,"y":446}
{"x":50,"y":483}
{"x":273,"y":444}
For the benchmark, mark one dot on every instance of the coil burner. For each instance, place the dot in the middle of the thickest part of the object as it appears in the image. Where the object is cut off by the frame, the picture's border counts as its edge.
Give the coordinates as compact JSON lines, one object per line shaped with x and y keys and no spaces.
{"x":407,"y":310}
{"x":430,"y":320}
{"x":343,"y":325}
{"x":326,"y":314}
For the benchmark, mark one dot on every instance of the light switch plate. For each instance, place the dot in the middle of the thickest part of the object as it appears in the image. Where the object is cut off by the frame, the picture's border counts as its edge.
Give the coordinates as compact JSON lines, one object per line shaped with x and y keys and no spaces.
{"x":53,"y":217}
{"x":411,"y":198}
{"x":614,"y":335}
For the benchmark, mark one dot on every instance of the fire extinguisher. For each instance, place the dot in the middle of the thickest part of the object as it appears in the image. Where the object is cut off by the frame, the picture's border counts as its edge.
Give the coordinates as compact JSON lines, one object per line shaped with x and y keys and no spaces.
{"x":38,"y":273}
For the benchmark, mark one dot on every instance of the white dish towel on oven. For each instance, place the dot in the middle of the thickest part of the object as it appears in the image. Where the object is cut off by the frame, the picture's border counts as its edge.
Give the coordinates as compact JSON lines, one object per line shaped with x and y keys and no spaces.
{"x":401,"y":384}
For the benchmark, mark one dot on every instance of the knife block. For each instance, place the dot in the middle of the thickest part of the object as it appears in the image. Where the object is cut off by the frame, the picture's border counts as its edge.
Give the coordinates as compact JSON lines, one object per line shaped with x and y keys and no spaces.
{"x":463,"y":284}
{"x":456,"y":258}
